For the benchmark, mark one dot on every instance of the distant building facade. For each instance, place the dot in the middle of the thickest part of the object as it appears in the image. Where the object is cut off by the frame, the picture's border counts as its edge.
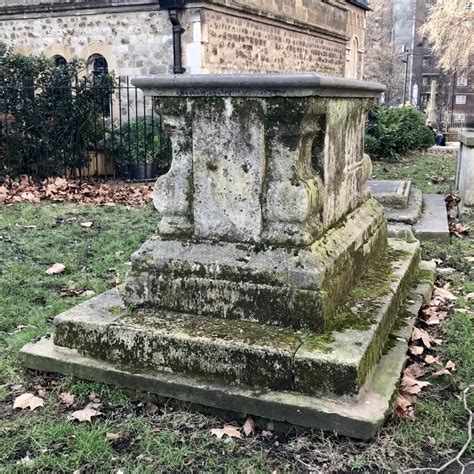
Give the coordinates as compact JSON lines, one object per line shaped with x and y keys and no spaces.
{"x":134,"y":37}
{"x":411,"y":66}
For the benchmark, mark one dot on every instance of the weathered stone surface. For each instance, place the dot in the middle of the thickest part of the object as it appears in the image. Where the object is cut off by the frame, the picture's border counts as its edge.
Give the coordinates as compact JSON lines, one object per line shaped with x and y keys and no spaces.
{"x":465,"y":172}
{"x":297,"y":288}
{"x":359,"y":418}
{"x":269,"y":182}
{"x":433,"y":224}
{"x":391,"y":193}
{"x":251,"y":353}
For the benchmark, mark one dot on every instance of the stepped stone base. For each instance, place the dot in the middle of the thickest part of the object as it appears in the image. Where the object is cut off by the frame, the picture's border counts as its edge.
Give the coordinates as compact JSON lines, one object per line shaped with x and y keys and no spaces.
{"x":342,"y":380}
{"x":289,"y":286}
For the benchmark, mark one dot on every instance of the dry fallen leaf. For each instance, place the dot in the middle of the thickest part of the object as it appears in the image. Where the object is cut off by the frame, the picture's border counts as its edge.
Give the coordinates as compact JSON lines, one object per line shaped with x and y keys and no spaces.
{"x":87,"y":224}
{"x":85,"y":414}
{"x":249,"y":426}
{"x":67,"y":399}
{"x":445,"y":294}
{"x":113,"y":436}
{"x":450,"y":365}
{"x":418,"y":333}
{"x":414,"y":370}
{"x":441,"y":372}
{"x":55,"y":269}
{"x":228,"y":430}
{"x":404,"y":407}
{"x":416,"y":350}
{"x":429,"y":359}
{"x":28,"y":400}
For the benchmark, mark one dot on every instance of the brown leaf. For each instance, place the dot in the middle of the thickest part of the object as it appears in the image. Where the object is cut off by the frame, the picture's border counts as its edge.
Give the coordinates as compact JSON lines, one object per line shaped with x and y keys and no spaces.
{"x":450,"y":366}
{"x":441,"y":372}
{"x":67,"y":399}
{"x":432,"y":321}
{"x":444,"y":294}
{"x":404,"y":407}
{"x":429,"y":359}
{"x":418,"y":333}
{"x":414,"y":370}
{"x":28,"y":400}
{"x":249,"y":426}
{"x":113,"y":436}
{"x":85,"y":414}
{"x":416,"y":350}
{"x":412,"y":390}
{"x":228,"y":430}
{"x":55,"y":269}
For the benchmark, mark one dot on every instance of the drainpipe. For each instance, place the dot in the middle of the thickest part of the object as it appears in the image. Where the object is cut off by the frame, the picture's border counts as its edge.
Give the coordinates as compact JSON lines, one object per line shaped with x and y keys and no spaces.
{"x":173,"y":6}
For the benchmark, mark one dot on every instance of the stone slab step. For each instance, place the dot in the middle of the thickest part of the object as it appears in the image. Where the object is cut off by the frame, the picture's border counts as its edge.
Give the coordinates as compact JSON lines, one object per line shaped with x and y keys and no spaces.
{"x":433,"y":224}
{"x":273,"y":409}
{"x":250,"y":353}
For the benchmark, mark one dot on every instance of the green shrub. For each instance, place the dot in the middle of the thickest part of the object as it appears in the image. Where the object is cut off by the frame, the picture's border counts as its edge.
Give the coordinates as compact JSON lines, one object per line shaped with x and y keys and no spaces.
{"x":142,"y":141}
{"x":49,"y":115}
{"x":393,"y":131}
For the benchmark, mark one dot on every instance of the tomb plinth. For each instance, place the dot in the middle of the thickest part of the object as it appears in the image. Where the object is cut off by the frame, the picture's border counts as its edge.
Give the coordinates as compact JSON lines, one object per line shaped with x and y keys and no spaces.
{"x":270,"y":288}
{"x":265,"y":212}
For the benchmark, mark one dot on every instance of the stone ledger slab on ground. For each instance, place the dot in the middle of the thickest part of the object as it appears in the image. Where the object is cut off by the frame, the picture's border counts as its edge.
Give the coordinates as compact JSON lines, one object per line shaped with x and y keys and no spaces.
{"x":433,"y":224}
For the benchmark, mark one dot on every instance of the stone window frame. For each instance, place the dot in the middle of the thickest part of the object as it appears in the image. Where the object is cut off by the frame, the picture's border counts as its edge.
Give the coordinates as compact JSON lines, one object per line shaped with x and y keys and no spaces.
{"x":461,"y":99}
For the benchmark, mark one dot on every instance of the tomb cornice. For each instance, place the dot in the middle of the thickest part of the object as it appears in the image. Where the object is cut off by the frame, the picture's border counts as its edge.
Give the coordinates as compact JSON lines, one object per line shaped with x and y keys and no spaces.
{"x":256,"y":85}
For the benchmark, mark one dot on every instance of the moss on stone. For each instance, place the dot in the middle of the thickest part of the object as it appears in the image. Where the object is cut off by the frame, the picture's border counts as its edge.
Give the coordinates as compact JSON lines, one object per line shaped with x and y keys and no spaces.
{"x":117,"y":310}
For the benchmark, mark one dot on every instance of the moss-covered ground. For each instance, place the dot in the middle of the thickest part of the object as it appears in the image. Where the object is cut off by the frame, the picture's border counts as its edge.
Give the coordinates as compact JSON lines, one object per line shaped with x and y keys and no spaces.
{"x":33,"y":237}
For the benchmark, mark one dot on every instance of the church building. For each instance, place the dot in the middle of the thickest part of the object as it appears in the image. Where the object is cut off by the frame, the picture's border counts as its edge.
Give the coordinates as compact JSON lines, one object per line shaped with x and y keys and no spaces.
{"x":141,"y":37}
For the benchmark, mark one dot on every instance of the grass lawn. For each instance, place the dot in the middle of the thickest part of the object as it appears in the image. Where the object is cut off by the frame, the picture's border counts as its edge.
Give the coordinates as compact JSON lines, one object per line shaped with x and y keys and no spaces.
{"x":170,"y":438}
{"x":432,"y":174}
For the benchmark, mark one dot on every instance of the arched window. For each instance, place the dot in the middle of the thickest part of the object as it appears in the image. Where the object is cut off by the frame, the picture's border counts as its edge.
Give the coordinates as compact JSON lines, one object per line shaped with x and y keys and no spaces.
{"x":99,"y":66}
{"x":59,"y":60}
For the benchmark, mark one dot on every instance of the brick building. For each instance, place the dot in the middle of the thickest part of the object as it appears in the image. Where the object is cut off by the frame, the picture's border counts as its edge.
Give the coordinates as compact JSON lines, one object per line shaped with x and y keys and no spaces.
{"x":134,"y":37}
{"x":455,"y":91}
{"x":402,"y":59}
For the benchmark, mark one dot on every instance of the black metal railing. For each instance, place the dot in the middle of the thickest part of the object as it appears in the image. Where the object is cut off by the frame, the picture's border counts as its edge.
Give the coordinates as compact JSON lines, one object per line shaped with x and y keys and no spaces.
{"x":88,"y":129}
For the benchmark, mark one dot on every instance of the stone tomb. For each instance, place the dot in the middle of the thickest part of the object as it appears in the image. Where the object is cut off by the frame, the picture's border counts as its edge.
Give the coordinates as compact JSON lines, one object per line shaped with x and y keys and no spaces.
{"x":270,"y":288}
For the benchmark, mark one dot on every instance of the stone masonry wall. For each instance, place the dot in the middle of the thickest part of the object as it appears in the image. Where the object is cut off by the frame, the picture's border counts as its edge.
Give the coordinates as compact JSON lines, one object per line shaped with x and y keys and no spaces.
{"x":132,"y":42}
{"x":240,"y":44}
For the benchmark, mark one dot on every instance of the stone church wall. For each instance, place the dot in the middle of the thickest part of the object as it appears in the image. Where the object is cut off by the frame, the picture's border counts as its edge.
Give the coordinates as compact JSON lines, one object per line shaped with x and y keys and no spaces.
{"x":132,"y":42}
{"x":221,"y":36}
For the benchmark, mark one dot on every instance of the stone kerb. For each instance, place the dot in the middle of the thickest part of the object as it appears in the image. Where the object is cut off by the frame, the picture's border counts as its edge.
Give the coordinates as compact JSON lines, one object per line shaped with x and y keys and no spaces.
{"x":465,"y":172}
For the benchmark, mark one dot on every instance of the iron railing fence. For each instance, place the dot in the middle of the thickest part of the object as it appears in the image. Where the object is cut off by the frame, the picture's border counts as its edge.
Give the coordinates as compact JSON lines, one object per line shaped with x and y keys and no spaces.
{"x":86,"y":129}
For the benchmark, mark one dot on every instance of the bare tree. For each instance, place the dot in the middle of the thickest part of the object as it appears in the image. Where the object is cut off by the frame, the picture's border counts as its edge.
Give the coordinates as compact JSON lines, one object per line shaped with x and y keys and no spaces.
{"x":449,"y":28}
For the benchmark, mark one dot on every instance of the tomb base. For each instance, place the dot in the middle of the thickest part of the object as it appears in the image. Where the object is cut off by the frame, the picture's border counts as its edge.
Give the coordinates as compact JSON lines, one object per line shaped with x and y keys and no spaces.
{"x":342,"y":380}
{"x":284,"y":286}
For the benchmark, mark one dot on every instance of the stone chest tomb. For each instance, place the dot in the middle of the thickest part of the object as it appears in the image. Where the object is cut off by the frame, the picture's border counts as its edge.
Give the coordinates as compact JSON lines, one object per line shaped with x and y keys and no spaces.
{"x":270,"y":288}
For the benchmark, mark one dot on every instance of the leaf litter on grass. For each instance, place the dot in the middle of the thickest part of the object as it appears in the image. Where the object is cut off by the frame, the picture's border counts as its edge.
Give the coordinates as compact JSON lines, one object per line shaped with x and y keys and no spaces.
{"x":61,"y":189}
